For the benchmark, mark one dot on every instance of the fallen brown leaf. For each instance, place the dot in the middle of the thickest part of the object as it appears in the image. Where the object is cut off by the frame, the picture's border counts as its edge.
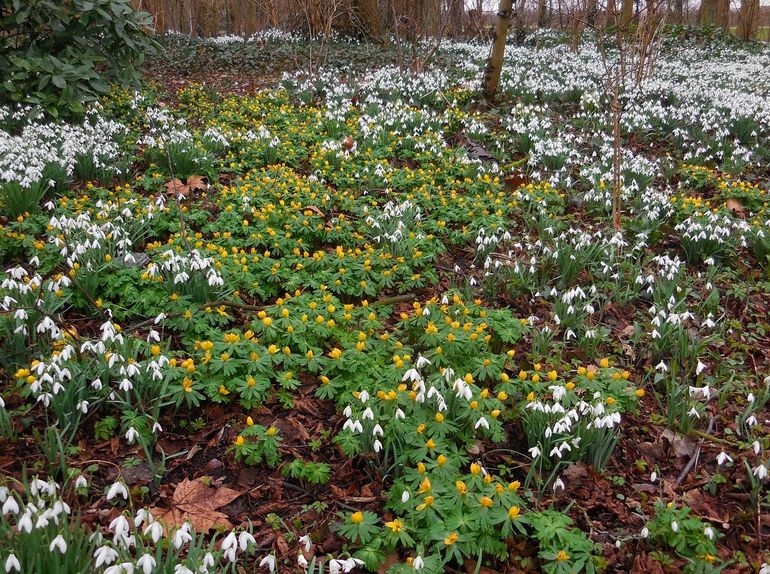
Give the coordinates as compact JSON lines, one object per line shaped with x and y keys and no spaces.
{"x":197,"y":503}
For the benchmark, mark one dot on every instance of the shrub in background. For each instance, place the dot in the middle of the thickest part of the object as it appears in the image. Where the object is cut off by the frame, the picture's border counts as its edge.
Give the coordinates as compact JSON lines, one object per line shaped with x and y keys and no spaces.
{"x":60,"y":55}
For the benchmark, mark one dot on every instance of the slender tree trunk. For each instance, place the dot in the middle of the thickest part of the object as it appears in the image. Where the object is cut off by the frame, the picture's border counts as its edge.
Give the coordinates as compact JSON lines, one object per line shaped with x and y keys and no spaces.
{"x":723,"y":14}
{"x":707,"y":13}
{"x":626,"y":14}
{"x":370,"y":17}
{"x":542,"y":13}
{"x":495,"y":62}
{"x":747,"y":19}
{"x":456,"y":15}
{"x":592,"y":9}
{"x":519,"y":19}
{"x":678,"y":11}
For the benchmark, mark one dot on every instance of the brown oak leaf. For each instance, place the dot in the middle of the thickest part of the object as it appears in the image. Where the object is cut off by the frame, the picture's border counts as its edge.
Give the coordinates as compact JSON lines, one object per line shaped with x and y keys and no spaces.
{"x":198,"y":504}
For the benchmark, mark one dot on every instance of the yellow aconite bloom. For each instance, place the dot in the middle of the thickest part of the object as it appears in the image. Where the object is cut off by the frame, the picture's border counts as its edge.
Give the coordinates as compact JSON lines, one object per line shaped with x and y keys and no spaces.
{"x":552,"y":375}
{"x":272,"y":431}
{"x":604,"y":363}
{"x":430,"y":444}
{"x":395,"y":525}
{"x":427,"y":501}
{"x":240,"y":440}
{"x":475,"y":468}
{"x":335,"y":353}
{"x":249,"y":421}
{"x":461,"y":487}
{"x":451,"y":539}
{"x":357,"y":517}
{"x":562,"y":556}
{"x":485,"y":501}
{"x":513,"y":512}
{"x":425,"y":485}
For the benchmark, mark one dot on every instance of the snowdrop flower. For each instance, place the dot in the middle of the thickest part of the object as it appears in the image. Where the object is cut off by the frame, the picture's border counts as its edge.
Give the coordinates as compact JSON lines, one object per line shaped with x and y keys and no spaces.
{"x":131,"y":435}
{"x":146,"y":563}
{"x":653,"y":476}
{"x":661,"y":367}
{"x":534,"y":452}
{"x":756,"y":446}
{"x":59,"y":544}
{"x":155,"y":530}
{"x":482,"y":422}
{"x":182,"y":536}
{"x":268,"y":561}
{"x":699,"y":369}
{"x":709,"y":533}
{"x":244,"y":539}
{"x":302,"y":561}
{"x":117,"y":488}
{"x":12,"y":563}
{"x":645,"y":532}
{"x":765,"y":568}
{"x":418,"y":563}
{"x":105,"y":555}
{"x":307,"y":542}
{"x":761,"y":472}
{"x":405,"y":497}
{"x":723,"y":457}
{"x":674,"y":526}
{"x":25,"y":522}
{"x":81,"y":482}
{"x":10,"y":506}
{"x":558,"y":484}
{"x":124,"y":568}
{"x":377,"y":445}
{"x":182,"y":569}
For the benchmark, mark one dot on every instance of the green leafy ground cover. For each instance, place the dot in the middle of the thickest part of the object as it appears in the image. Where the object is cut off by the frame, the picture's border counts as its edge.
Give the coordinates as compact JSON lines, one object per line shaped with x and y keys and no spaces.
{"x":357,"y":321}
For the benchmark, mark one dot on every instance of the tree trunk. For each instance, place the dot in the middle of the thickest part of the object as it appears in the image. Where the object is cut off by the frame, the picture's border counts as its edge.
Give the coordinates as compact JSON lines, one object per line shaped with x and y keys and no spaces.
{"x":626,"y":14}
{"x":707,"y":13}
{"x":542,"y":13}
{"x":723,"y":14}
{"x":456,"y":15}
{"x":592,"y":9}
{"x":495,"y":62}
{"x":678,"y":11}
{"x":370,"y":17}
{"x":519,"y":20}
{"x":747,"y":19}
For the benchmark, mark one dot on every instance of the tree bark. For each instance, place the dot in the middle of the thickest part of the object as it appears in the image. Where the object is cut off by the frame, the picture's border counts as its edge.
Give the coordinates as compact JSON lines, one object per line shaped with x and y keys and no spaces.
{"x":519,"y":19}
{"x":723,"y":14}
{"x":707,"y":13}
{"x":456,"y":15}
{"x":495,"y":62}
{"x":542,"y":13}
{"x":747,"y":19}
{"x":626,"y":14}
{"x":678,"y":11}
{"x":370,"y":17}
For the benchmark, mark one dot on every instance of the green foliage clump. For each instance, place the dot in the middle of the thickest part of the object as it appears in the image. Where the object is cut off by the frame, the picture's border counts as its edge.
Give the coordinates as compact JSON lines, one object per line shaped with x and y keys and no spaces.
{"x":59,"y":55}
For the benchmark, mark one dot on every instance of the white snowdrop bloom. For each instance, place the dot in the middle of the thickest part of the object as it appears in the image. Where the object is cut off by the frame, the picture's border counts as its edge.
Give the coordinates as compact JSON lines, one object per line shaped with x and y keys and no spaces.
{"x":244,"y":539}
{"x":363,"y":396}
{"x":377,"y":446}
{"x":116,"y":489}
{"x":25,"y":522}
{"x":182,"y":536}
{"x":760,"y":472}
{"x":12,"y":563}
{"x":411,"y":375}
{"x":709,"y":533}
{"x":104,"y":555}
{"x":765,"y":569}
{"x":645,"y":533}
{"x":693,"y":412}
{"x":405,"y":497}
{"x":301,"y":561}
{"x":751,"y":421}
{"x":756,"y":446}
{"x":10,"y":506}
{"x":400,"y":414}
{"x":182,"y":569}
{"x":674,"y":526}
{"x":230,"y":541}
{"x":306,"y":542}
{"x":155,"y":530}
{"x":750,"y":398}
{"x":653,"y":476}
{"x":131,"y":435}
{"x":422,"y":361}
{"x":368,"y":414}
{"x":59,"y":544}
{"x":147,"y":563}
{"x":723,"y":457}
{"x":558,"y":484}
{"x":700,"y":368}
{"x":534,"y":452}
{"x":123,"y":568}
{"x":482,"y":422}
{"x":661,"y":367}
{"x":418,"y":563}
